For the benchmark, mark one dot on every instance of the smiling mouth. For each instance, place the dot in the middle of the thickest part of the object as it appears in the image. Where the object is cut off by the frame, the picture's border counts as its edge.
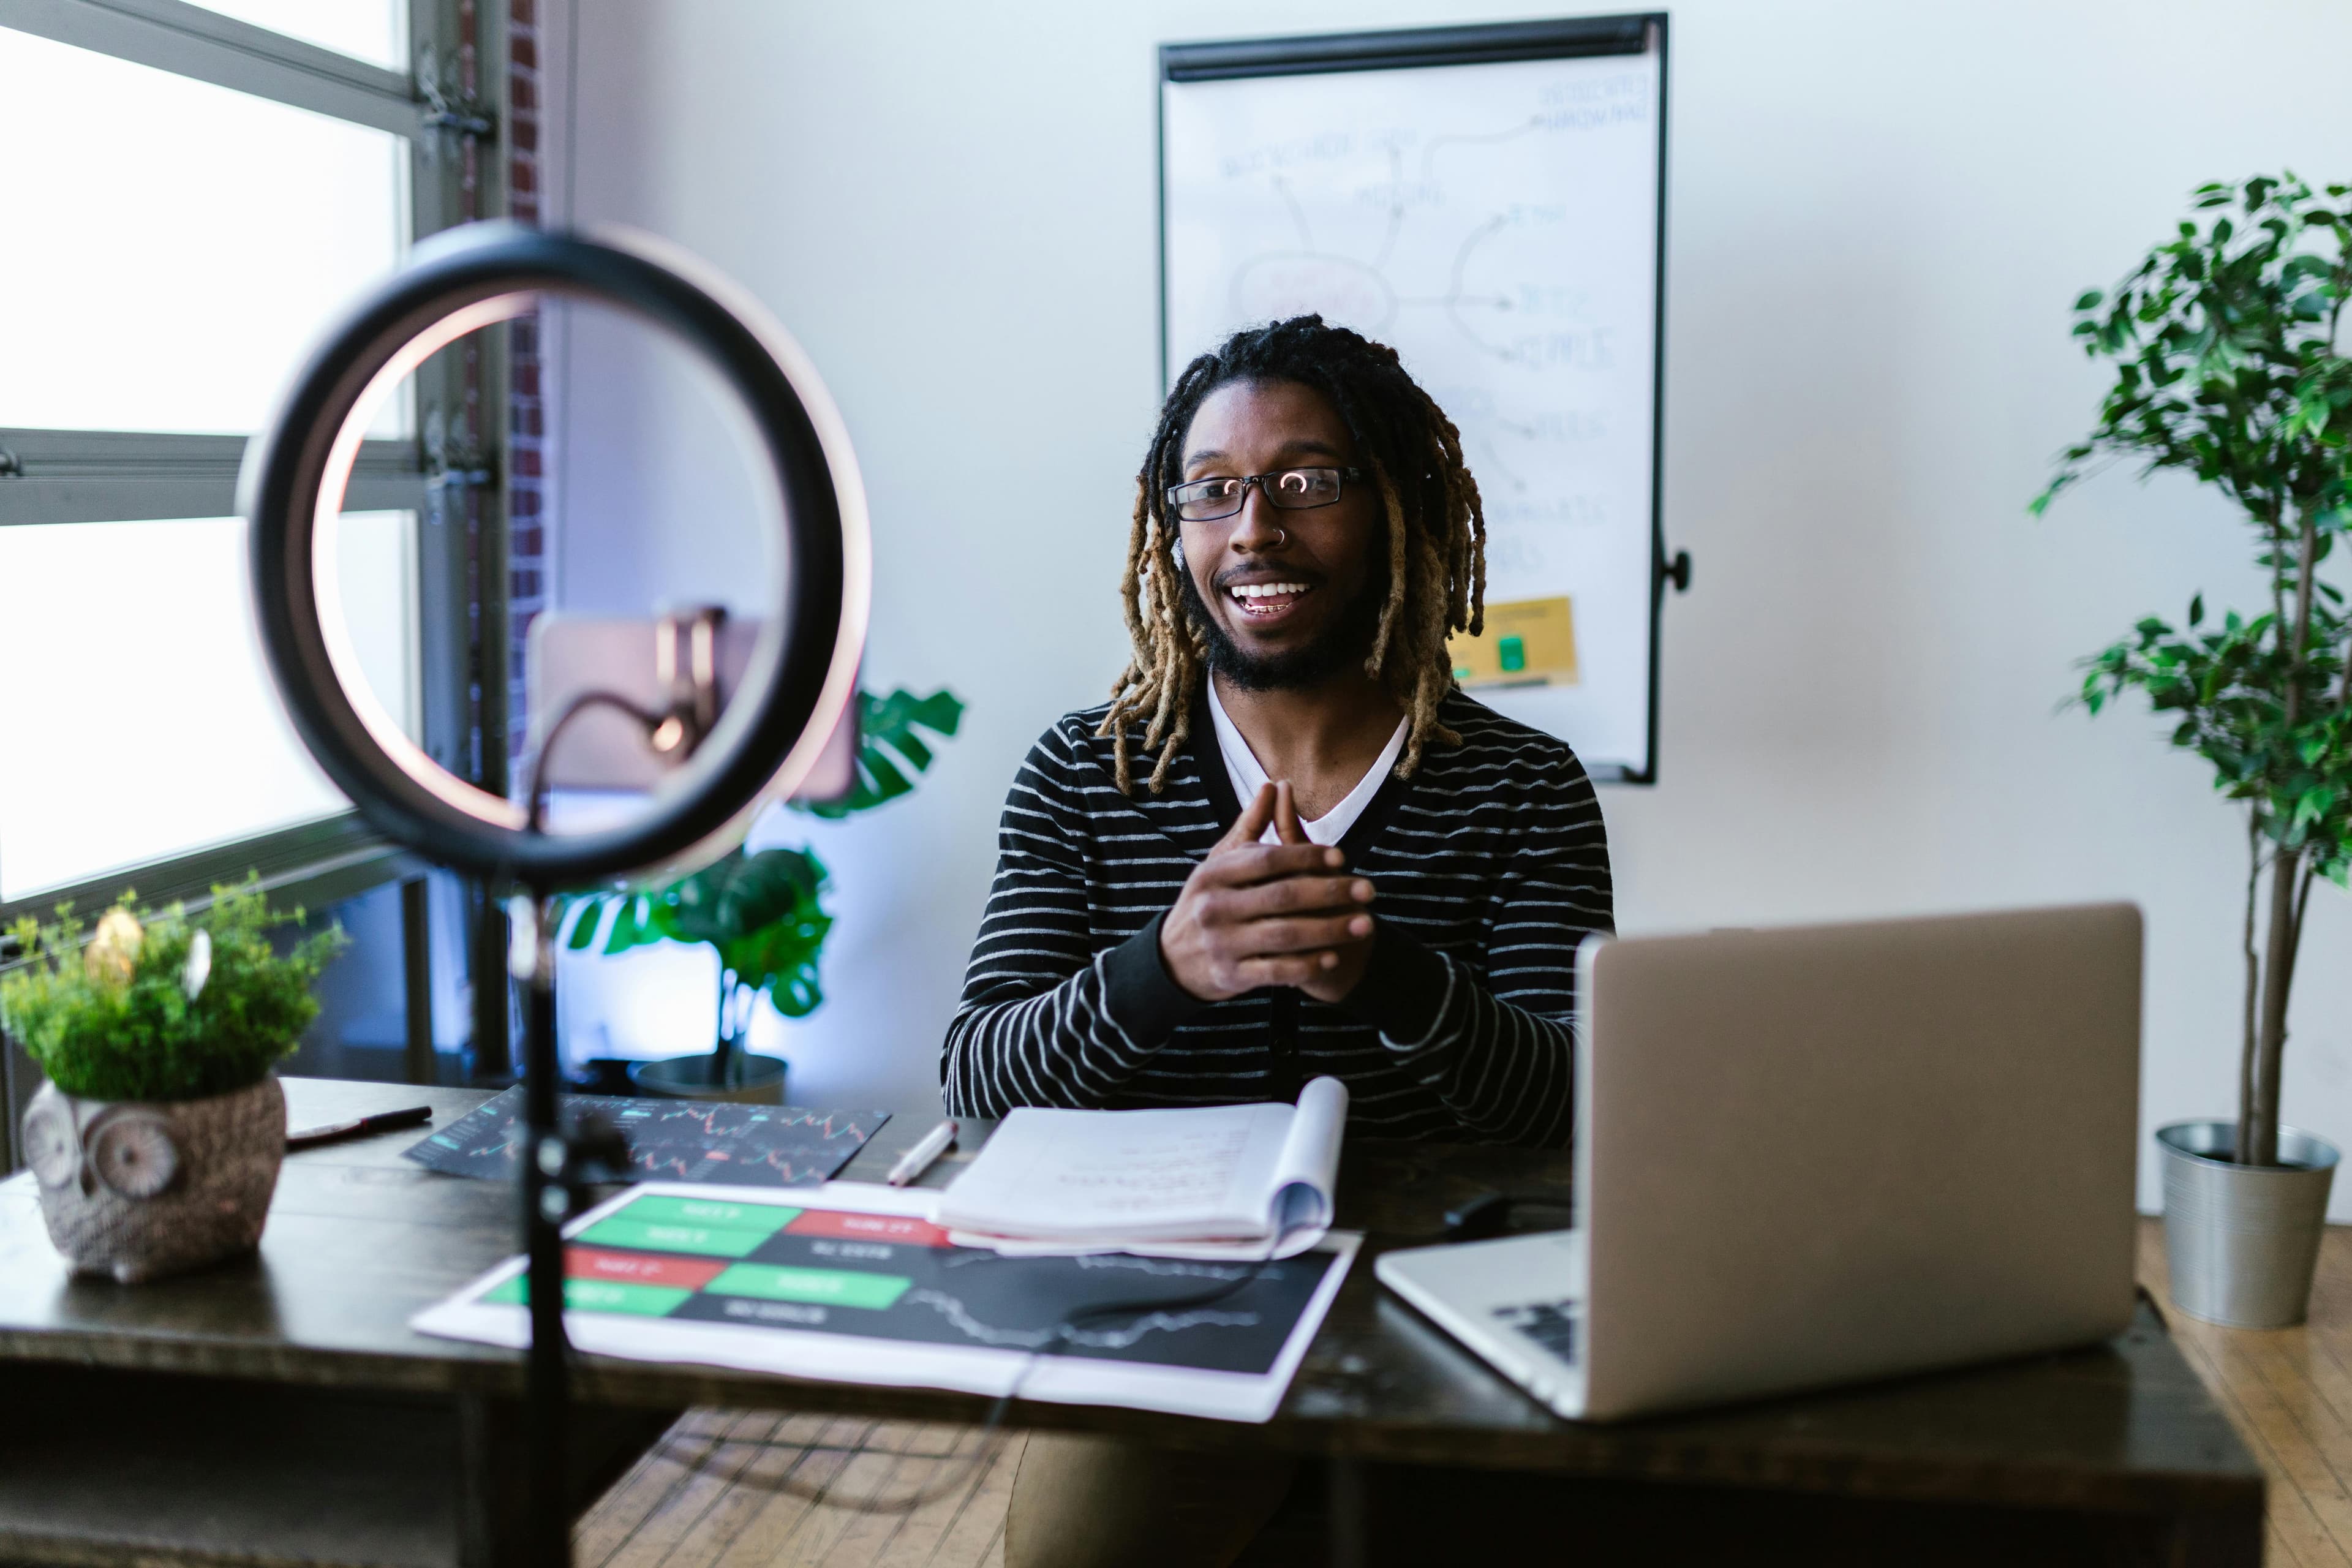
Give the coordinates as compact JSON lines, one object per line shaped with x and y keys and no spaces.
{"x":1264,"y":601}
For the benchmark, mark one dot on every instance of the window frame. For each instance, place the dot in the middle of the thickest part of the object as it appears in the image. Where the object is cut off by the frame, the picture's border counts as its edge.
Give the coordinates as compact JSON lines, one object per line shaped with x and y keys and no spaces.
{"x":451,"y":472}
{"x":188,"y":40}
{"x":457,"y":173}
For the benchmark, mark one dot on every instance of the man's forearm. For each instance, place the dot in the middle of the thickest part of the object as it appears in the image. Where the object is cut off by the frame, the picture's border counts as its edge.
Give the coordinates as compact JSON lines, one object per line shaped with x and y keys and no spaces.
{"x":1141,"y":993}
{"x":1030,"y":1039}
{"x":1506,"y":1071}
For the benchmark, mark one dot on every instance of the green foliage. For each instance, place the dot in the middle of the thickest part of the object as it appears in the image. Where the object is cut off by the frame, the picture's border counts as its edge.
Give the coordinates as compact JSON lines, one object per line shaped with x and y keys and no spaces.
{"x":2225,"y":341}
{"x":891,"y":746}
{"x":113,"y":1019}
{"x":760,"y":911}
{"x":763,"y":912}
{"x":2227,"y":365}
{"x":2226,"y":688}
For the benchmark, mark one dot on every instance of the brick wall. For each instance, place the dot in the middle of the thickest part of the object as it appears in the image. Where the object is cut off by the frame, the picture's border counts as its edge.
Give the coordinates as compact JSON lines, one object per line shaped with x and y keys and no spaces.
{"x":525,"y":454}
{"x":468,"y":428}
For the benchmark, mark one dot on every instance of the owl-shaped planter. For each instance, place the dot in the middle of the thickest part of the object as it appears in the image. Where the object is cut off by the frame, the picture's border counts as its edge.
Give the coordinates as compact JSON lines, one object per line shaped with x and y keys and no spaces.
{"x":139,"y":1189}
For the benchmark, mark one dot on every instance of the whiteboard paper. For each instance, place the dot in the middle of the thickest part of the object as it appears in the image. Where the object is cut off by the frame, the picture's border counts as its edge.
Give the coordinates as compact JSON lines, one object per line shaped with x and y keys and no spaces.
{"x":1499,"y":224}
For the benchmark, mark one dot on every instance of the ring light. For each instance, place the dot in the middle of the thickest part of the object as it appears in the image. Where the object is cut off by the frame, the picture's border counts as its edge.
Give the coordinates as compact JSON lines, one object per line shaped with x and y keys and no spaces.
{"x":802,"y":676}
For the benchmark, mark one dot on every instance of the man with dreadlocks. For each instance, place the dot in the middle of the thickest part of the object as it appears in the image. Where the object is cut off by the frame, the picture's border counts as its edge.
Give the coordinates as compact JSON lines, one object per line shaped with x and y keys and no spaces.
{"x":1289,"y":845}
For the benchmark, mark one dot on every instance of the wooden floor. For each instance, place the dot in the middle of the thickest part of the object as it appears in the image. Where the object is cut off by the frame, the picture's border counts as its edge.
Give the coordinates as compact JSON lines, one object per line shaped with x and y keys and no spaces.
{"x":714,"y":1494}
{"x":2290,"y":1392}
{"x":730,"y":1489}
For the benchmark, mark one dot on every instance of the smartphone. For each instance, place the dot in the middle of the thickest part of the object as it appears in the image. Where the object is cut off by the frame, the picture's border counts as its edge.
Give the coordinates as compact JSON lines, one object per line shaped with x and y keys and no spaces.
{"x":605,"y":751}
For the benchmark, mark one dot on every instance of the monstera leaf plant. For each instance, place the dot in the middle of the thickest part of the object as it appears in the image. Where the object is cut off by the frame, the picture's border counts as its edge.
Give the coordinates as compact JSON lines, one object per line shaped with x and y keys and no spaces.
{"x":764,"y":914}
{"x":892,"y":747}
{"x":2230,"y":365}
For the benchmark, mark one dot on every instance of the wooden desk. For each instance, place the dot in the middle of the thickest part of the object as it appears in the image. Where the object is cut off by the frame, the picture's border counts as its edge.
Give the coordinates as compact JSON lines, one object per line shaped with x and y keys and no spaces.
{"x":278,"y":1411}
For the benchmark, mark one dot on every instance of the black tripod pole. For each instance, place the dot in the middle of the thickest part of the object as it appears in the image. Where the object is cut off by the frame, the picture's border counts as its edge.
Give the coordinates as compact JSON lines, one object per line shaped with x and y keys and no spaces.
{"x":806,"y":667}
{"x":546,"y":1203}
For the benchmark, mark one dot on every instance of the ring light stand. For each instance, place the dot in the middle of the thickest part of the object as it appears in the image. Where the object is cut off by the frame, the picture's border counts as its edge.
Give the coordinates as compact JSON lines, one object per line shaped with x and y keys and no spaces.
{"x":801,"y":680}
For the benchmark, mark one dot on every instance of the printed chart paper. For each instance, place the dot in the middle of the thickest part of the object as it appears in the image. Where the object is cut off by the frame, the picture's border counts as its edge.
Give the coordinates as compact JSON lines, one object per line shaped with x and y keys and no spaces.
{"x":669,"y":1140}
{"x":857,"y":1284}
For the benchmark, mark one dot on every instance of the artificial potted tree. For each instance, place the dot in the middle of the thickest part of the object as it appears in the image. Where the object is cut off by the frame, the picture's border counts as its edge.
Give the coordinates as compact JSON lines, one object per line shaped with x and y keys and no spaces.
{"x":2230,"y":363}
{"x":157,"y":1138}
{"x":761,"y":913}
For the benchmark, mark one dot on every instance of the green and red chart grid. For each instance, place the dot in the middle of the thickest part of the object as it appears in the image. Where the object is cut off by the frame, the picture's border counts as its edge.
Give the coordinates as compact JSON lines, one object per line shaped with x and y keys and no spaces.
{"x":855,"y":1282}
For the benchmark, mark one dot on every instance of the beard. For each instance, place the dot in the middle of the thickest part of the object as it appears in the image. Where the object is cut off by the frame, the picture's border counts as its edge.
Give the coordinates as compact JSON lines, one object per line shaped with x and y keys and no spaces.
{"x":1347,"y":640}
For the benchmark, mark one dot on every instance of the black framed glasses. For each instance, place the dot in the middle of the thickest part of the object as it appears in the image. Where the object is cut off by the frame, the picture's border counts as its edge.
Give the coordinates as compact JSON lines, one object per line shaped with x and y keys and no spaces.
{"x":1292,"y":489}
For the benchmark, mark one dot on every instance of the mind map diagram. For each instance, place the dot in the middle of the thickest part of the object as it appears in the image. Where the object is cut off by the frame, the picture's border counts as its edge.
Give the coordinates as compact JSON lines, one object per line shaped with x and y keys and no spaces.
{"x":1497,"y":225}
{"x":1467,"y":266}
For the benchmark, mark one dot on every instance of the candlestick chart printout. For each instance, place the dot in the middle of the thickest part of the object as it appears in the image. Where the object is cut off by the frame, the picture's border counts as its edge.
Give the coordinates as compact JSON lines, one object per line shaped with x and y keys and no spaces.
{"x":668,"y":1139}
{"x":1497,"y":224}
{"x":856,"y":1284}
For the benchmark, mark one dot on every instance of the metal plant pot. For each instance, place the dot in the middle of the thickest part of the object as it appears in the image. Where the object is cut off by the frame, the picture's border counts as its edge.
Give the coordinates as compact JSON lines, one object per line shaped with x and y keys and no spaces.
{"x":749,"y":1080}
{"x":141,"y":1189}
{"x":2240,"y":1241}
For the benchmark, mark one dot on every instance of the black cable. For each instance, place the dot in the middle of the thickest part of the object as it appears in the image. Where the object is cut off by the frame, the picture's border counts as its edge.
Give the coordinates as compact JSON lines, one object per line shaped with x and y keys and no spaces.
{"x":983,"y":1453}
{"x":1058,"y":1338}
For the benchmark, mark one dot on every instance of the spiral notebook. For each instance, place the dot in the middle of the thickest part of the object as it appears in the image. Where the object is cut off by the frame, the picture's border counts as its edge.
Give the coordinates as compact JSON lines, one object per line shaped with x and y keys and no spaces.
{"x":1226,"y":1180}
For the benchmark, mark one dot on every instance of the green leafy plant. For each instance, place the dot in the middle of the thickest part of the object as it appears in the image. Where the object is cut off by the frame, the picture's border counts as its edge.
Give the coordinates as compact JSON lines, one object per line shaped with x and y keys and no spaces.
{"x":2229,"y":365}
{"x":764,"y":913}
{"x":891,"y":746}
{"x":163,"y":1006}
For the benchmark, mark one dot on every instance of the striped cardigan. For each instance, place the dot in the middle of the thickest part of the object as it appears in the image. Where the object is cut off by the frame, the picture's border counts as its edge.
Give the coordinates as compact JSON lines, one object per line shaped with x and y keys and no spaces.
{"x":1491,"y":864}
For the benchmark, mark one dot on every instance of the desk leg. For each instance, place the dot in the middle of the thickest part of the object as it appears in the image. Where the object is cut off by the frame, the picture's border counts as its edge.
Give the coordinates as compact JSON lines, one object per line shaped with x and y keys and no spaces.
{"x":2211,"y":1537}
{"x":489,"y":1460}
{"x":492,"y":1460}
{"x":1515,"y":1517}
{"x":1348,"y":1501}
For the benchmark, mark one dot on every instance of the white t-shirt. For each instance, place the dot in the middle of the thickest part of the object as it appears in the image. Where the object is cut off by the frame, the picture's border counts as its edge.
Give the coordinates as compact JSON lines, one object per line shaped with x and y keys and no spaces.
{"x":1242,"y":767}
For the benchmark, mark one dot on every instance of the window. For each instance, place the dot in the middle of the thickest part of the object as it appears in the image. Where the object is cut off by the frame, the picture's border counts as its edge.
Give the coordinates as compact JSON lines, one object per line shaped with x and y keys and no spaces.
{"x":375,"y":31}
{"x":202,"y":186}
{"x":190,"y":241}
{"x":158,"y":733}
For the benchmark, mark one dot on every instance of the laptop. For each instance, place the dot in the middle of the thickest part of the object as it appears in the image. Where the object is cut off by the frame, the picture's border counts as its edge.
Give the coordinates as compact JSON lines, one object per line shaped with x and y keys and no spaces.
{"x":1822,"y":1155}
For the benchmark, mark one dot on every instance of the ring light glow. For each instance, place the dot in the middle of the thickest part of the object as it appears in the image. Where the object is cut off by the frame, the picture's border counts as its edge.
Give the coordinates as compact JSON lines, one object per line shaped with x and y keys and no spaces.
{"x":801,"y":680}
{"x":803,"y":671}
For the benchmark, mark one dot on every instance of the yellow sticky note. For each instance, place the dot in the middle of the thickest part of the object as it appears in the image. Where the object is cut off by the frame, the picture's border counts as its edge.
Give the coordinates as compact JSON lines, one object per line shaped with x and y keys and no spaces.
{"x":1527,"y":642}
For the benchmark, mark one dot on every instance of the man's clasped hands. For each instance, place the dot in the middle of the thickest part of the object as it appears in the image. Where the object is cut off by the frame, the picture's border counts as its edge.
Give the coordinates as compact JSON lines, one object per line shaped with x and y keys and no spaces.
{"x":1255,"y":914}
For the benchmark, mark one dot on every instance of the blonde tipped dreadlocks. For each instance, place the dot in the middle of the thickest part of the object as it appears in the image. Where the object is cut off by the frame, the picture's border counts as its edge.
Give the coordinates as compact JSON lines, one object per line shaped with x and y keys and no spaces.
{"x":1436,"y":537}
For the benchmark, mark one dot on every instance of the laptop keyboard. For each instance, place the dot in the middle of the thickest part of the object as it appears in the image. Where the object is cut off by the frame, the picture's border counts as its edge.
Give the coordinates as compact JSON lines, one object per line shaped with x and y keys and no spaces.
{"x":1551,"y":1324}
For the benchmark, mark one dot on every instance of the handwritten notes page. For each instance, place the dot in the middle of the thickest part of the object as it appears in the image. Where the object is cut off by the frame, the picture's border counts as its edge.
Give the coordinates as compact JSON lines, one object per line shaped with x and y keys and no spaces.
{"x":1213,"y":1180}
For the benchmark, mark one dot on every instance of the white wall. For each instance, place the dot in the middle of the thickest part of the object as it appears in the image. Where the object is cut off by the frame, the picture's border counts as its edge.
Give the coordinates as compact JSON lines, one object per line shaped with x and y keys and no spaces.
{"x":1879,"y":215}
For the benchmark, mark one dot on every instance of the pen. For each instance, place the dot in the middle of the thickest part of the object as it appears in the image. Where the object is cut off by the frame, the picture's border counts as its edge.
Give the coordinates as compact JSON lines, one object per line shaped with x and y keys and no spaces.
{"x":382,"y":1121}
{"x":918,"y":1159}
